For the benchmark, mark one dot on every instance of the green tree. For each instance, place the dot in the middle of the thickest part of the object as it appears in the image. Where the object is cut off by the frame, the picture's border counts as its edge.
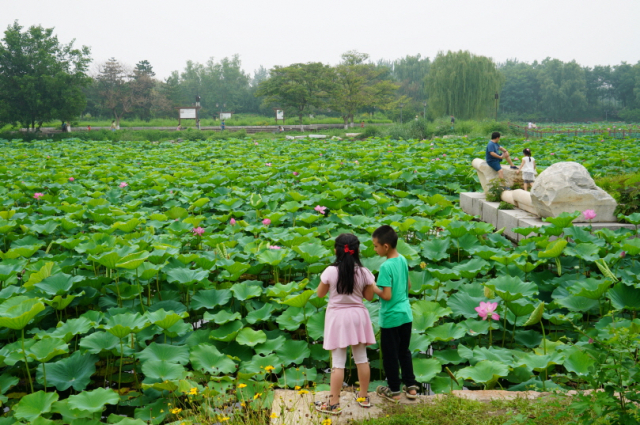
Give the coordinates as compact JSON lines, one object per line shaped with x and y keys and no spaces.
{"x":143,"y":85}
{"x":521,"y":90}
{"x":40,"y":78}
{"x":462,"y":84}
{"x":298,"y":87}
{"x":114,"y":88}
{"x":360,"y":85}
{"x":563,"y":89}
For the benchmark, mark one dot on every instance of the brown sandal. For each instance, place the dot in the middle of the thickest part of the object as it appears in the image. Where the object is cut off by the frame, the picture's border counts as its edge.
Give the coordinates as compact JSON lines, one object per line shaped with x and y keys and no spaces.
{"x":328,"y":409}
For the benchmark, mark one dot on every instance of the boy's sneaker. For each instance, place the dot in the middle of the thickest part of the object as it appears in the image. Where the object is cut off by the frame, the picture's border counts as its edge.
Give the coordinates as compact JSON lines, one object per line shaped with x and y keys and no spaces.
{"x":513,"y":167}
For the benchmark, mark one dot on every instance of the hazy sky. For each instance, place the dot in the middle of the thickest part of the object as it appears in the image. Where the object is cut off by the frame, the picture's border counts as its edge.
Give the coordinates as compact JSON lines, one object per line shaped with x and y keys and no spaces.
{"x":168,"y":33}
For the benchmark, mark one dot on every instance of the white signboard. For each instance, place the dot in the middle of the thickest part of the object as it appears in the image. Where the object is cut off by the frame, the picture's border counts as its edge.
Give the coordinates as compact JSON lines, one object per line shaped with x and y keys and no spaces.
{"x":189,"y":113}
{"x":225,"y":115}
{"x":279,"y":114}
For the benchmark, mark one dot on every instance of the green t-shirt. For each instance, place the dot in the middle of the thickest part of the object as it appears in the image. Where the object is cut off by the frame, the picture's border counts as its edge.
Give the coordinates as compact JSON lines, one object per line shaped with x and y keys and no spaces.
{"x":397,"y":311}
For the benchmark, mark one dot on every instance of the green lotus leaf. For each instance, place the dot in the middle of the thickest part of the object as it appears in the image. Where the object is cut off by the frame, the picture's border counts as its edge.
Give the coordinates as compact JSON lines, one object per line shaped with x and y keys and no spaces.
{"x":521,"y":307}
{"x":37,"y":277}
{"x":210,"y":298}
{"x":33,"y":405}
{"x":540,"y":362}
{"x":584,"y":251}
{"x":248,"y":336}
{"x":554,"y":249}
{"x":47,"y":348}
{"x":132,"y":261}
{"x":127,"y":226}
{"x":507,"y":258}
{"x":444,"y":273}
{"x":419,"y":342}
{"x":524,"y":231}
{"x":463,"y":304}
{"x":165,"y":319}
{"x":207,"y":358}
{"x":632,"y":246}
{"x":449,"y":356}
{"x":177,"y":212}
{"x":471,"y":268}
{"x":590,"y":288}
{"x":426,"y":313}
{"x":443,"y":384}
{"x":312,"y":252}
{"x":7,"y":381}
{"x":579,"y":363}
{"x":426,"y":369}
{"x":272,"y":257}
{"x":262,"y":314}
{"x":476,"y":327}
{"x":511,"y":288}
{"x":297,"y":377}
{"x":315,"y":325}
{"x":124,"y":324}
{"x":258,"y":364}
{"x":72,"y":327}
{"x":280,"y":291}
{"x":222,"y":317}
{"x":299,"y":300}
{"x":162,"y":370}
{"x":93,"y":401}
{"x":226,"y":332}
{"x":165,"y":352}
{"x":74,"y":371}
{"x":563,"y":220}
{"x":485,"y":372}
{"x":23,"y":251}
{"x":457,"y":229}
{"x":17,"y":312}
{"x":186,"y":276}
{"x":199,"y":203}
{"x":291,"y":319}
{"x":446,"y":332}
{"x":244,"y":291}
{"x":60,"y":303}
{"x":536,"y":316}
{"x":99,"y":342}
{"x":270,"y":345}
{"x":575,"y":303}
{"x":293,"y":352}
{"x":622,"y":297}
{"x":235,"y":270}
{"x":500,"y":355}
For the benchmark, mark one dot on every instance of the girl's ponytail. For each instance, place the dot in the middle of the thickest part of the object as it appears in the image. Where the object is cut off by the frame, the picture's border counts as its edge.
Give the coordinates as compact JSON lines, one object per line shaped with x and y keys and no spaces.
{"x":527,"y":152}
{"x":347,"y":261}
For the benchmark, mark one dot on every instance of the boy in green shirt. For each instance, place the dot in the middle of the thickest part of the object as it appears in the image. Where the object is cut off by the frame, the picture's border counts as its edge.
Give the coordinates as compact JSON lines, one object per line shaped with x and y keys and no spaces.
{"x":395,"y":316}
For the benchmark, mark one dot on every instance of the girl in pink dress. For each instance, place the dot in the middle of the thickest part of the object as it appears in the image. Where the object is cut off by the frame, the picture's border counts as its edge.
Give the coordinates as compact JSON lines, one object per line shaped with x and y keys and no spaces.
{"x":347,"y":322}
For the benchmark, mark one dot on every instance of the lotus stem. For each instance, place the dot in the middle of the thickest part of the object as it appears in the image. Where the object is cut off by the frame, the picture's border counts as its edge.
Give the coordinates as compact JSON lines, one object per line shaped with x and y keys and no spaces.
{"x":26,"y":362}
{"x":490,"y":333}
{"x":504,"y":326}
{"x":120,"y":367}
{"x":44,"y":376}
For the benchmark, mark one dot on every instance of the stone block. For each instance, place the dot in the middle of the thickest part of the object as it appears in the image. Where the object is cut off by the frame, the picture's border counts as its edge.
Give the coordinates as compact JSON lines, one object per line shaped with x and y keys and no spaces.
{"x":490,"y":212}
{"x":510,"y":219}
{"x":467,"y":203}
{"x":487,"y":174}
{"x":568,"y":187}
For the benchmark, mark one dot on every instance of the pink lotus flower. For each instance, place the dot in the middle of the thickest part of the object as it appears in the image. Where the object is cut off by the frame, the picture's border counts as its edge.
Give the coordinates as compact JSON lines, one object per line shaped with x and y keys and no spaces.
{"x":589,"y":214}
{"x":256,"y":143}
{"x":266,"y":222}
{"x":357,"y":161}
{"x":552,"y":153}
{"x":320,"y":154}
{"x":623,"y":254}
{"x":123,"y":184}
{"x":199,"y":231}
{"x":274,"y":247}
{"x":38,"y":195}
{"x":444,"y":154}
{"x":232,"y":221}
{"x":320,"y":209}
{"x":486,"y":310}
{"x":295,"y":173}
{"x":590,"y":341}
{"x":431,"y":144}
{"x":72,"y":179}
{"x":268,"y":164}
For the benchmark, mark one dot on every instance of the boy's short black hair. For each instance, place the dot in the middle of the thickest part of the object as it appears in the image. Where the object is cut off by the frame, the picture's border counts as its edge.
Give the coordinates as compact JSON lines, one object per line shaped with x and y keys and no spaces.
{"x":386,"y":235}
{"x":495,"y":135}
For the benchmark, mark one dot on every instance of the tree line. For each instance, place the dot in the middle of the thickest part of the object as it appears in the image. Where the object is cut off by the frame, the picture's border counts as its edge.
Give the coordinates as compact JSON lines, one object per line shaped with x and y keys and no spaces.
{"x":42,"y":79}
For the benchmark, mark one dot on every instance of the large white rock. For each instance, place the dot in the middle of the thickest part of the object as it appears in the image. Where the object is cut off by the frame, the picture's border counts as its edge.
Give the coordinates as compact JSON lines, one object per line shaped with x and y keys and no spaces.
{"x":487,"y":174}
{"x":568,"y":187}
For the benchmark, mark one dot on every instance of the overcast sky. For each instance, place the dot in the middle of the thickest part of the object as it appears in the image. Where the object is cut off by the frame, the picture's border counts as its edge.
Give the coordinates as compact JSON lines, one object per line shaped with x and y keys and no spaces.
{"x":281,"y":32}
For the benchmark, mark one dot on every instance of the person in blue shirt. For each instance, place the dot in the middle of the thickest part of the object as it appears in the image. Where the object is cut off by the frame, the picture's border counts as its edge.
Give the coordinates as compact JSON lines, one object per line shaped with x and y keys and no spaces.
{"x":496,"y":153}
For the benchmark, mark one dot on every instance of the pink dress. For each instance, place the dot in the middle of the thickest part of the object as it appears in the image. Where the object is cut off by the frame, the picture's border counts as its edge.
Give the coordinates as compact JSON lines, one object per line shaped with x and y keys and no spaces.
{"x":347,"y":321}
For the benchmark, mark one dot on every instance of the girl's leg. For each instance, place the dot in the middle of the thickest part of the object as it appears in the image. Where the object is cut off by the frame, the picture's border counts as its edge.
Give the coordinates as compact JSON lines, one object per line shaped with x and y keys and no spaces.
{"x":362,"y":363}
{"x":339,"y":360}
{"x":526,"y":185}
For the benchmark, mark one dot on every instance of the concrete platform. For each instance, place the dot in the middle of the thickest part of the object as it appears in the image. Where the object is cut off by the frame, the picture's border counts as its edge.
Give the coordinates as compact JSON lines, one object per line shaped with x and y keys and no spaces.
{"x":474,"y":203}
{"x":291,"y":408}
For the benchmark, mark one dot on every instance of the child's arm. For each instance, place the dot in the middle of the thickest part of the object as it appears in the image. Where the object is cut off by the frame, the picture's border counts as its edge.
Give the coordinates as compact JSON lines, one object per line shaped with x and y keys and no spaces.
{"x":323,"y":288}
{"x":384,"y":293}
{"x":522,"y":165}
{"x":367,"y":293}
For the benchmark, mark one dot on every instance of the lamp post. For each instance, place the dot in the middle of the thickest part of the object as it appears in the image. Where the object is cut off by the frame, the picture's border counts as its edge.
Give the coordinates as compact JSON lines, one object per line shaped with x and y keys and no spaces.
{"x":497,"y":97}
{"x":401,"y":106}
{"x":424,"y":115}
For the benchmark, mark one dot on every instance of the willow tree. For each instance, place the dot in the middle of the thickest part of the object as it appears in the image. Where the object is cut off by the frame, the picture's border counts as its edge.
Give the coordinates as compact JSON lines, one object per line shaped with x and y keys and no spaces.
{"x":463,"y":85}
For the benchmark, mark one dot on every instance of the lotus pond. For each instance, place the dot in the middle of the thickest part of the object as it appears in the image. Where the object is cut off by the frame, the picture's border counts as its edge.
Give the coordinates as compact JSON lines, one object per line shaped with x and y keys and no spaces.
{"x":141,"y":276}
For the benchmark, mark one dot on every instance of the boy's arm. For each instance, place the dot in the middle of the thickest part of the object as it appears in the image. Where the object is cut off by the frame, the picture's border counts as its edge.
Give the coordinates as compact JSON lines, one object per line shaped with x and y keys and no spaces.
{"x":384,"y":293}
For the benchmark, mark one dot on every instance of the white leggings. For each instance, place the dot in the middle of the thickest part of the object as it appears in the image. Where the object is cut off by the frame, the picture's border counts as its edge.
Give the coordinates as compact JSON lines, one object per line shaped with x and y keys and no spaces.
{"x":339,"y":355}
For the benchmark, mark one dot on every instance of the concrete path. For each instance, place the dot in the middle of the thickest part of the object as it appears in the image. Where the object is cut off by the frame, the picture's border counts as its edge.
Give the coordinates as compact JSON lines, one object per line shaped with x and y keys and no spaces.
{"x":292,"y":408}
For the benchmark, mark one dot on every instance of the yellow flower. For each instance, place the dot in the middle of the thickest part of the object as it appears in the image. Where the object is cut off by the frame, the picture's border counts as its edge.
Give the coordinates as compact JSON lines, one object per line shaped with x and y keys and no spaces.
{"x":361,"y":399}
{"x":297,"y":387}
{"x":161,"y":410}
{"x":274,"y":415}
{"x":242,"y":385}
{"x":226,"y":418}
{"x":326,"y":421}
{"x":176,"y":411}
{"x":257,"y":395}
{"x":193,"y":391}
{"x":423,"y":265}
{"x":303,"y":392}
{"x":243,"y":404}
{"x":269,"y":368}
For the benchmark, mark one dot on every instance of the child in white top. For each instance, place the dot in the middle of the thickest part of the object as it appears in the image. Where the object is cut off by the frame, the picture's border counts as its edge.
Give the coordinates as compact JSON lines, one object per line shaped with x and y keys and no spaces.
{"x":528,"y":168}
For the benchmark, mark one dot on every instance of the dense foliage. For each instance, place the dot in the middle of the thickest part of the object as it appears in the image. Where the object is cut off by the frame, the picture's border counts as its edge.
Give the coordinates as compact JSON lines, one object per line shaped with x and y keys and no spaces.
{"x":178,"y":271}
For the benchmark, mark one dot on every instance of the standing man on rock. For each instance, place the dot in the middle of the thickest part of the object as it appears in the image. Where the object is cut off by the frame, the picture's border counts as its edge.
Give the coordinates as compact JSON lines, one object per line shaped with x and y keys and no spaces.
{"x":496,"y":153}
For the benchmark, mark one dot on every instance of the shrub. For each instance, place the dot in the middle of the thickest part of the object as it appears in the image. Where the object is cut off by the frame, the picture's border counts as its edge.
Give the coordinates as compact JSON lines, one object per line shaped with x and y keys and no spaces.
{"x":625,"y":189}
